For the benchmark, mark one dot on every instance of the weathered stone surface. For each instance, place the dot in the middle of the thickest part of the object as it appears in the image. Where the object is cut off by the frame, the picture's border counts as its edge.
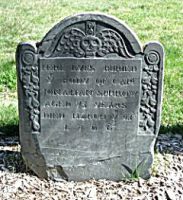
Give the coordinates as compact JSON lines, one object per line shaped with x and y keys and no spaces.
{"x":89,"y":100}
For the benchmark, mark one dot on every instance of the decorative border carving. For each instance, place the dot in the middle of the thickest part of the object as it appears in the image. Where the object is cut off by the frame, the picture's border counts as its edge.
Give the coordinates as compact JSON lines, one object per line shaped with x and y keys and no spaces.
{"x":29,"y":75}
{"x":149,"y":93}
{"x":90,"y":43}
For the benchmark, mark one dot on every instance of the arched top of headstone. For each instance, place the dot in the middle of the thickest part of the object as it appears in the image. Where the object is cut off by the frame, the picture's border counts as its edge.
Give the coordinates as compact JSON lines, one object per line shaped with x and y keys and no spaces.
{"x":90,"y":35}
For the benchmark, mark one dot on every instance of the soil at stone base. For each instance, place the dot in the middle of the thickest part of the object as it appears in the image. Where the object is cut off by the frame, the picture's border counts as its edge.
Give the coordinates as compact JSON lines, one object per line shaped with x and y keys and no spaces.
{"x":16,"y":182}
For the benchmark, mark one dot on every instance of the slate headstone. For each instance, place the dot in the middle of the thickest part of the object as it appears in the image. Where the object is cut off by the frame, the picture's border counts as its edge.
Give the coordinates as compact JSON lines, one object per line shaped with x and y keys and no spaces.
{"x":89,"y":100}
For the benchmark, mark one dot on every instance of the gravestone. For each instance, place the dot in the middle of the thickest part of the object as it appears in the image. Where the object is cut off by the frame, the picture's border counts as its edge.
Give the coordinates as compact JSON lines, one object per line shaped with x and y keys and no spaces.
{"x":89,"y":100}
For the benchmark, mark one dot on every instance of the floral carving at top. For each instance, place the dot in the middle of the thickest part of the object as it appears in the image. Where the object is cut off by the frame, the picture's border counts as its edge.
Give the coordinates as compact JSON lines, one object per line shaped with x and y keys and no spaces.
{"x":148,"y":106}
{"x":90,"y":44}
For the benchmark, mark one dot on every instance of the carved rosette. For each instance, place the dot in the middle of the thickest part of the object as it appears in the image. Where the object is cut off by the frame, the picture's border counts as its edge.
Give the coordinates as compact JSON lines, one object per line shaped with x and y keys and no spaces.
{"x":29,"y":75}
{"x":149,"y":93}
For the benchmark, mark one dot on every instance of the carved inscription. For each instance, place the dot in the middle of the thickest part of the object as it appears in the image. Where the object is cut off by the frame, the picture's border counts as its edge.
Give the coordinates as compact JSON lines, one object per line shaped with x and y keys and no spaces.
{"x":87,"y":96}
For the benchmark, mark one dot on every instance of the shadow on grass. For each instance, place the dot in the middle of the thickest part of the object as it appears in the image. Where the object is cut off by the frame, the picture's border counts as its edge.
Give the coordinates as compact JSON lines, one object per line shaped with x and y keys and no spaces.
{"x":9,"y":130}
{"x":13,"y":162}
{"x":11,"y":159}
{"x":174,"y":129}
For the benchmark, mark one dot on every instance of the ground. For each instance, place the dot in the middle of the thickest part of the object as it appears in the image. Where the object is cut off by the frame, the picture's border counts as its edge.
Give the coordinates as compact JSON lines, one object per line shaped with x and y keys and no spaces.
{"x":166,"y":183}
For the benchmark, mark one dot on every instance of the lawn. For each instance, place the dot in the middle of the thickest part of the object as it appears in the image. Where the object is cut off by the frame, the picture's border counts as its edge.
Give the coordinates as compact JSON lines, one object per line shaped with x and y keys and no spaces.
{"x":27,"y":20}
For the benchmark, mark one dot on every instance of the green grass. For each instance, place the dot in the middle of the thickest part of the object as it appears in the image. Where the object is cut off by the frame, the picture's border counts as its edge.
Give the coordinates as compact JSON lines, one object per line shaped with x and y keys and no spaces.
{"x":8,"y":120}
{"x":160,"y":20}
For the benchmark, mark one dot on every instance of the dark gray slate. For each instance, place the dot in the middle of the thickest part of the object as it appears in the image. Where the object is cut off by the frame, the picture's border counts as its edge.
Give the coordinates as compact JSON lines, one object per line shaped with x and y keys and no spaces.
{"x":89,"y":100}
